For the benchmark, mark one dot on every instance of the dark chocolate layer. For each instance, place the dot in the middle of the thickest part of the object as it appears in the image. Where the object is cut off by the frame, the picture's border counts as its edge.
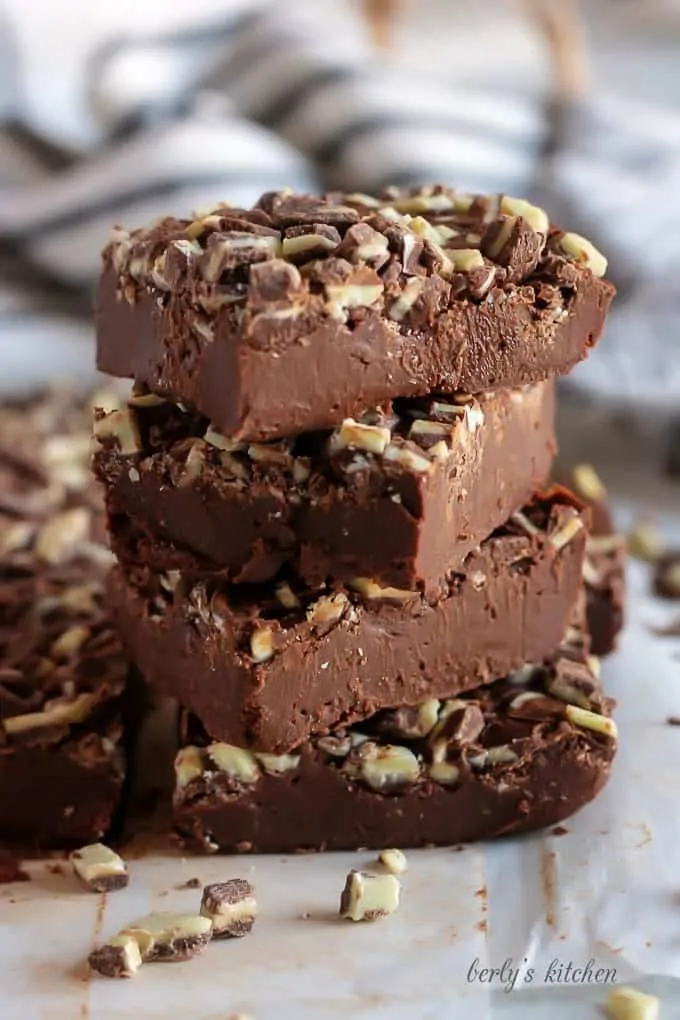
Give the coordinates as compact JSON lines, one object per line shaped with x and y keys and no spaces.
{"x":302,"y":312}
{"x":270,"y":670}
{"x":403,"y":498}
{"x":522,"y":753}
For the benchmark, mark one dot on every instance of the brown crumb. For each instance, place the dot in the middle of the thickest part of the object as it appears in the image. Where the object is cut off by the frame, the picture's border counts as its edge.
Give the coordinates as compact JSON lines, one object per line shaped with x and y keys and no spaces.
{"x":673,"y":720}
{"x":481,"y":926}
{"x":191,"y":883}
{"x":560,"y":830}
{"x":56,"y":869}
{"x":11,"y":870}
{"x":667,"y":575}
{"x":549,"y":881}
{"x":305,"y":915}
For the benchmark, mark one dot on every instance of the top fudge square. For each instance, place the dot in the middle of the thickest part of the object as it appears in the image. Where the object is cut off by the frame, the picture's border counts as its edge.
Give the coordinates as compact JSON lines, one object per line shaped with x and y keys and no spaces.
{"x":302,"y":312}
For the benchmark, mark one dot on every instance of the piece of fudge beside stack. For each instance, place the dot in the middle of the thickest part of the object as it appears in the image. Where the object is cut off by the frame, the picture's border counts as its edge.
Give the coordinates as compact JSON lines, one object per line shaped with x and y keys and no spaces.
{"x":65,"y":720}
{"x":326,"y":495}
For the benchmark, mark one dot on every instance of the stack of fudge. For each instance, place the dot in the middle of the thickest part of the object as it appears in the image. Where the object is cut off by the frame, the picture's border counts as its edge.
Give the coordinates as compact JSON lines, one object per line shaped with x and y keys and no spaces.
{"x":327,"y":497}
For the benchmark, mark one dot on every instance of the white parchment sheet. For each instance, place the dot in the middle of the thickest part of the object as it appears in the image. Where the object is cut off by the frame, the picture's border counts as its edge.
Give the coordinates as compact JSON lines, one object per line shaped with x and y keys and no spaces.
{"x":607,"y":891}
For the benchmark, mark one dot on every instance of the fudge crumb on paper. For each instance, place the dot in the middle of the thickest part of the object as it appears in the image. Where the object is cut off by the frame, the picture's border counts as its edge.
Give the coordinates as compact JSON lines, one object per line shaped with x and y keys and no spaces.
{"x":118,"y":958}
{"x":100,"y":868}
{"x":368,"y":897}
{"x":394,"y":860}
{"x":169,"y":937}
{"x":667,"y":575}
{"x":231,"y":907}
{"x":191,"y":883}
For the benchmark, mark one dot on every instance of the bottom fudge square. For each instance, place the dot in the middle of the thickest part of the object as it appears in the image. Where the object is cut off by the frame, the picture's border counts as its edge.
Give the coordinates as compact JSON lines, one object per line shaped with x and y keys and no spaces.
{"x":521,"y":753}
{"x":270,"y":668}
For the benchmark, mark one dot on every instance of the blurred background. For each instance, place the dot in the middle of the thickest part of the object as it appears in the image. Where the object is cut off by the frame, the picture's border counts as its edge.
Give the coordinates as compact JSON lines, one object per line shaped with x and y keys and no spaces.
{"x":123,"y":112}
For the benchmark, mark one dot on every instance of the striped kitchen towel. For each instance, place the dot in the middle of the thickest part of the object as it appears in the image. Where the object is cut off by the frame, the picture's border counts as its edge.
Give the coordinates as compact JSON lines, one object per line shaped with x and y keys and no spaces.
{"x":228,"y":104}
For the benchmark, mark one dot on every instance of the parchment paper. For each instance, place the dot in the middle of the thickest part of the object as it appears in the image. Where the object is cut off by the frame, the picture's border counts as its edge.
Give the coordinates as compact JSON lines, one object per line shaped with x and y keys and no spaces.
{"x":608,"y":890}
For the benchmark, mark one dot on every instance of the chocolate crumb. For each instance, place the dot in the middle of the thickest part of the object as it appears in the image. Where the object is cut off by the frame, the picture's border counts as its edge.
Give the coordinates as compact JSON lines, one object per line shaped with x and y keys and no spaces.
{"x":11,"y":870}
{"x":673,"y":720}
{"x":560,"y":830}
{"x":667,"y":575}
{"x":191,"y":883}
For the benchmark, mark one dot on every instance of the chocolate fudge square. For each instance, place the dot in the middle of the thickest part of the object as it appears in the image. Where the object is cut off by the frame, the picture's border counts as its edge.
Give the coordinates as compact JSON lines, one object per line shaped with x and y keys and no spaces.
{"x":522,"y":753}
{"x":302,"y":312}
{"x":402,"y":496}
{"x":272,"y":666}
{"x":62,"y":670}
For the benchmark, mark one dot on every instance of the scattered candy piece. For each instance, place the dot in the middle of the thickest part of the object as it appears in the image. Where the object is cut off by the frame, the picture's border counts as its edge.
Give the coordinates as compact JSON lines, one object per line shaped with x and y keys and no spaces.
{"x":368,"y":897}
{"x":118,"y":958}
{"x":394,"y":860}
{"x":100,"y":868}
{"x":170,"y":937}
{"x":628,"y":1004}
{"x":231,"y":906}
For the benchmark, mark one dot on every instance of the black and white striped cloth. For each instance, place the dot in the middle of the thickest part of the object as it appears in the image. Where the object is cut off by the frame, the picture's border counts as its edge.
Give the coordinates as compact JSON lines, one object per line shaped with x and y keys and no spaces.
{"x":170,"y":118}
